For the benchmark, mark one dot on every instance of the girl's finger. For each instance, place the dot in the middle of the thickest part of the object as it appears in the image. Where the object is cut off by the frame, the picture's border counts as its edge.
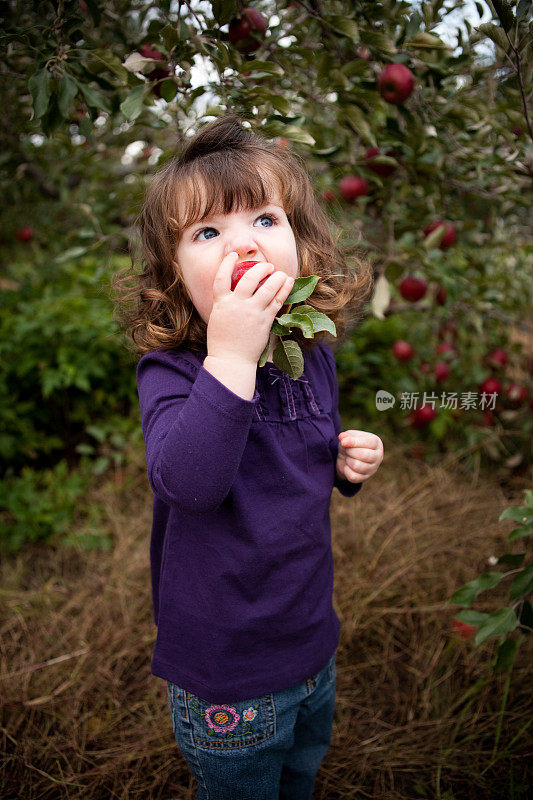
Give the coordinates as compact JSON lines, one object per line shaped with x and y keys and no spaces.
{"x":281,"y":294}
{"x":222,"y":280}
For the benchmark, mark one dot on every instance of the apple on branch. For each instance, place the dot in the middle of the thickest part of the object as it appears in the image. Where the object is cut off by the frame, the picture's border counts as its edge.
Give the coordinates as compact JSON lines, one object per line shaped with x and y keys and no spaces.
{"x":395,"y":83}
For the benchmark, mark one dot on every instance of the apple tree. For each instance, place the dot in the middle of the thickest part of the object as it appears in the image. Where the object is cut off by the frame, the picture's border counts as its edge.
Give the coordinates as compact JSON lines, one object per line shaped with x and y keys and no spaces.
{"x":421,"y":153}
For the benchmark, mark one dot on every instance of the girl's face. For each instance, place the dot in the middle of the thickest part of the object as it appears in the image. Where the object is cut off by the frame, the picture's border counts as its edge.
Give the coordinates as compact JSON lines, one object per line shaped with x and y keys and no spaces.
{"x":261,"y":235}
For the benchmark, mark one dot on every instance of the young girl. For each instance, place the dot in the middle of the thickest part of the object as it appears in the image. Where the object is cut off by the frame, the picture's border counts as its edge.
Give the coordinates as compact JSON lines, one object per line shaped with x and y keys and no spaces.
{"x":242,"y":461}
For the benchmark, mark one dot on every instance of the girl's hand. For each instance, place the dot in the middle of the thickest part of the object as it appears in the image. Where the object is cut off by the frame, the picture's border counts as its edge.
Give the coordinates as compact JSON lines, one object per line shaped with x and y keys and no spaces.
{"x":240,"y":320}
{"x":360,"y":454}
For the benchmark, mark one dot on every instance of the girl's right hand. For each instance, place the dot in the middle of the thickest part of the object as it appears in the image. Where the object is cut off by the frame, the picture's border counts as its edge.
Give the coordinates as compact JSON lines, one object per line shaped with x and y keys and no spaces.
{"x":240,"y":321}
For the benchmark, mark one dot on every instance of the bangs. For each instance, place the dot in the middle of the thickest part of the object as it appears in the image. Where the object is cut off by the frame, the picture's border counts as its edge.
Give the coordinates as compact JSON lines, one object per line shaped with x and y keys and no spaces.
{"x":222,"y":182}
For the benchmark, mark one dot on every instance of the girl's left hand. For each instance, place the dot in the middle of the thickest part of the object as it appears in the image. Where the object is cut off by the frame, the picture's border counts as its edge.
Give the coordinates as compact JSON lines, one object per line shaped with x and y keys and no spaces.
{"x":360,"y":454}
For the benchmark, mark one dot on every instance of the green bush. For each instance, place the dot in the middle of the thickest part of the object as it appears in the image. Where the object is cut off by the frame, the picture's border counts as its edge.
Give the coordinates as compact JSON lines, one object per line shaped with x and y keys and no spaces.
{"x":66,"y":384}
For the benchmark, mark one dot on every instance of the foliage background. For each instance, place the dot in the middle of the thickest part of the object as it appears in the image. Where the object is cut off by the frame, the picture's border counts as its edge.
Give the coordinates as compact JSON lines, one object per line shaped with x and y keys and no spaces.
{"x":83,"y":131}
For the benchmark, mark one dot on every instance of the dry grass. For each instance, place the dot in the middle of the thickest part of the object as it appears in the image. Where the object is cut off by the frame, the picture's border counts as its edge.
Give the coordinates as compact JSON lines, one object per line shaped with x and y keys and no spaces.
{"x":82,"y":717}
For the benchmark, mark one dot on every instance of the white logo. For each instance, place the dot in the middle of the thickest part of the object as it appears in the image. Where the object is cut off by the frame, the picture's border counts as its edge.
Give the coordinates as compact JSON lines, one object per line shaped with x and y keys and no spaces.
{"x":384,"y":400}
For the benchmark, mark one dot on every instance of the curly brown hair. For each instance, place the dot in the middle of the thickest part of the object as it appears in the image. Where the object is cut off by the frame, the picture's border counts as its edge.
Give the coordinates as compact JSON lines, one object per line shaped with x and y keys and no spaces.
{"x":226,"y":167}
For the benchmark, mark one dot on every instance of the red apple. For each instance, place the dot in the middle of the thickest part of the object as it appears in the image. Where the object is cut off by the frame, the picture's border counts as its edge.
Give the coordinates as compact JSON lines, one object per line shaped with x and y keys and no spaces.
{"x":239,"y":271}
{"x":328,"y":196}
{"x":515,"y":394}
{"x":396,"y":83}
{"x":517,"y":130}
{"x":24,"y":234}
{"x":463,"y":629}
{"x":423,"y":416}
{"x":490,"y":386}
{"x":442,"y":371}
{"x":449,"y":237}
{"x":247,"y":31}
{"x":441,"y":296}
{"x":488,"y":418}
{"x":380,"y":169}
{"x":402,"y":350}
{"x":353,"y":187}
{"x":446,"y":348}
{"x":412,"y":288}
{"x":159,"y":73}
{"x":498,"y":358}
{"x":363,"y":53}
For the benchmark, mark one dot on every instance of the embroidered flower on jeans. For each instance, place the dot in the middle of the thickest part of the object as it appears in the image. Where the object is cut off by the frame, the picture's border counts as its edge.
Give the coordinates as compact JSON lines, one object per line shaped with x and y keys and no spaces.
{"x":221,"y":718}
{"x":249,"y":714}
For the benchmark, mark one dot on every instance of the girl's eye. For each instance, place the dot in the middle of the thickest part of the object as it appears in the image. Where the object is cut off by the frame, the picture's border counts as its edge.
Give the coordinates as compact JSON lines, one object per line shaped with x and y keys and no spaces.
{"x":271,"y":217}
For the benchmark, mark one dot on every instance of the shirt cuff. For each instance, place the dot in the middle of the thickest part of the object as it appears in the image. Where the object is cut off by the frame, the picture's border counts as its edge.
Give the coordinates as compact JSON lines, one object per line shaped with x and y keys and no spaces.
{"x":347,"y":488}
{"x":222,"y":398}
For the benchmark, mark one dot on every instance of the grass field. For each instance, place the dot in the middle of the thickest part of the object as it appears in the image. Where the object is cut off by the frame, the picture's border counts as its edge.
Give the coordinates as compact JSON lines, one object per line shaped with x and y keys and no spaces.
{"x":417,"y":709}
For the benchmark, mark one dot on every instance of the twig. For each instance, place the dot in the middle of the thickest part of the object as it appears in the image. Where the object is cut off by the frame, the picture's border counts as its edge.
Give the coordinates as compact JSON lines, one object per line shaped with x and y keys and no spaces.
{"x":48,"y":663}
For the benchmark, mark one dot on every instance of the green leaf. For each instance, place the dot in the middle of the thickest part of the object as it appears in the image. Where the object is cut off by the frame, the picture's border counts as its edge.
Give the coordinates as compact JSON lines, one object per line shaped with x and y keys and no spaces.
{"x":348,"y":27}
{"x":292,"y":132}
{"x":513,"y":559}
{"x":466,"y":594}
{"x":68,"y":90}
{"x":495,"y":33}
{"x":357,"y":120}
{"x":93,"y":97}
{"x":505,"y":13}
{"x":434,"y":238}
{"x":295,"y":320}
{"x":168,"y":89}
{"x":321,"y":322}
{"x":506,"y":653}
{"x":522,"y":583}
{"x":302,"y":288}
{"x":518,"y":514}
{"x":262,"y":66}
{"x":279,"y":330}
{"x":288,"y":357}
{"x":264,"y":355}
{"x":525,"y":617}
{"x":522,"y":12}
{"x":520,"y":533}
{"x":112,"y":62}
{"x":471,"y":617}
{"x":501,"y":621}
{"x":132,"y":106}
{"x":39,"y":86}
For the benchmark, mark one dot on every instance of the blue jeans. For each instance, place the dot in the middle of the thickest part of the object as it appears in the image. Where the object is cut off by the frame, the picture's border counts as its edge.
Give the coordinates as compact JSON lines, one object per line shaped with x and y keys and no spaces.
{"x":265,"y":748}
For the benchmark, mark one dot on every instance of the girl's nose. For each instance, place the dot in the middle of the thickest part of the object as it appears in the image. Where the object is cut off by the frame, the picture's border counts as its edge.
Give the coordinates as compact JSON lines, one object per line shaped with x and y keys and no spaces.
{"x":242,"y":242}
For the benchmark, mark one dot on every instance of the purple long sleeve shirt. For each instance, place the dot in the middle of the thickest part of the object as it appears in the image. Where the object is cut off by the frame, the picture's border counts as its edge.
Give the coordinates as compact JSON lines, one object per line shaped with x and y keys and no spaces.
{"x":241,"y":560}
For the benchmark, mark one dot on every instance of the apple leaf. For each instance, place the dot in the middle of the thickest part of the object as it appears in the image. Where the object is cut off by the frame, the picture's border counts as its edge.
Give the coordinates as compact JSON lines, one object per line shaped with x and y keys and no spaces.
{"x":495,"y":33}
{"x":501,"y":621}
{"x":466,"y":594}
{"x":348,"y":27}
{"x":522,"y":583}
{"x":131,"y":107}
{"x":67,"y":92}
{"x":435,"y":237}
{"x":321,"y":322}
{"x":506,"y":653}
{"x":303,"y":287}
{"x":288,"y":357}
{"x":263,"y":66}
{"x":278,"y":329}
{"x":94,"y":98}
{"x":296,"y":320}
{"x":471,"y":617}
{"x":518,"y":514}
{"x":356,"y":118}
{"x":39,"y":86}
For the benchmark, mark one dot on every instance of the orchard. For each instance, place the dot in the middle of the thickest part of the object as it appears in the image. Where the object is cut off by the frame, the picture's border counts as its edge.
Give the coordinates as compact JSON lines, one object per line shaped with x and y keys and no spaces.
{"x":420,"y":152}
